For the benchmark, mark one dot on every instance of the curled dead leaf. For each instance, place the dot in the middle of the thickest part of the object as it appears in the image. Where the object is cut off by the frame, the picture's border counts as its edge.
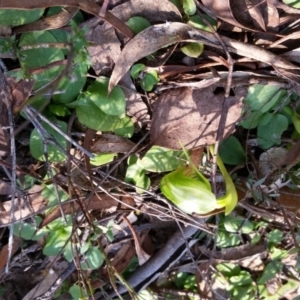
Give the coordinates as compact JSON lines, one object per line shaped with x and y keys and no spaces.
{"x":111,"y":143}
{"x":152,"y":10}
{"x":192,"y":117}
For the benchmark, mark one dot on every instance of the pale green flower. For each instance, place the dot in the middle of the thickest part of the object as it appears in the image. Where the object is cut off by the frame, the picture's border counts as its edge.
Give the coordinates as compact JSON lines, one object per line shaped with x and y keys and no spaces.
{"x":191,"y":192}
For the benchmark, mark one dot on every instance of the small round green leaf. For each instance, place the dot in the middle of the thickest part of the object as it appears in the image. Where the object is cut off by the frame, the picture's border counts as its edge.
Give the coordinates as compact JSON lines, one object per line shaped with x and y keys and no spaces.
{"x":78,"y":293}
{"x":242,"y":279}
{"x":40,"y":56}
{"x":189,"y":7}
{"x":228,"y":269}
{"x":270,"y":271}
{"x":252,"y":121}
{"x":159,"y":159}
{"x":238,"y":224}
{"x":270,"y":134}
{"x":56,"y":240}
{"x":90,"y":115}
{"x":138,"y":24}
{"x":94,"y":259}
{"x":114,"y":104}
{"x":102,"y":158}
{"x":71,"y":86}
{"x":263,"y":97}
{"x":232,"y":152}
{"x":193,"y":49}
{"x":55,"y":154}
{"x":197,"y":22}
{"x":125,"y":127}
{"x":149,"y":81}
{"x":136,"y":70}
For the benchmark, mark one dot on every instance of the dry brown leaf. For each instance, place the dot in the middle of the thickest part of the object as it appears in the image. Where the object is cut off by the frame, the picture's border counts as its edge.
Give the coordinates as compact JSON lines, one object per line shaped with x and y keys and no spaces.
{"x":106,"y":48}
{"x":57,"y":267}
{"x":121,"y":259}
{"x":4,"y":251}
{"x":86,"y":5}
{"x":148,"y":41}
{"x":142,"y":255}
{"x":57,"y":21}
{"x":247,"y":14}
{"x":111,"y":143}
{"x":257,"y":13}
{"x":281,"y":65}
{"x":135,"y":106}
{"x":152,"y":10}
{"x":96,"y":202}
{"x":34,"y":204}
{"x":290,"y":199}
{"x":191,"y":117}
{"x":222,"y":10}
{"x":5,"y":188}
{"x":158,"y":36}
{"x":271,"y":19}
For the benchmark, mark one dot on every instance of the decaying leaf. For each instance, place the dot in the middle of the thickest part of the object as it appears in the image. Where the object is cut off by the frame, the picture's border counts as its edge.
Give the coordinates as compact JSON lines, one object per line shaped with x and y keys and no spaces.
{"x":96,"y":202}
{"x":47,"y":23}
{"x":148,"y":41}
{"x":111,"y":143}
{"x":105,"y":49}
{"x":222,"y":10}
{"x":135,"y":106}
{"x":152,"y":10}
{"x":155,"y":37}
{"x":192,"y":117}
{"x":24,"y":209}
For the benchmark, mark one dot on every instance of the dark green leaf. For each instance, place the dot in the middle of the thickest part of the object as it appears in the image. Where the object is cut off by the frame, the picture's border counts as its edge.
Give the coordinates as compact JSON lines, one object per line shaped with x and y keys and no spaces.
{"x":263,"y":97}
{"x":40,"y":56}
{"x":136,"y":70}
{"x":71,"y":86}
{"x":55,"y":154}
{"x":232,"y":152}
{"x":114,"y":104}
{"x":16,"y":17}
{"x":242,"y":279}
{"x":236,"y":224}
{"x":271,"y":270}
{"x":94,"y":259}
{"x":252,"y":121}
{"x":138,"y":24}
{"x":159,"y":159}
{"x":270,"y":134}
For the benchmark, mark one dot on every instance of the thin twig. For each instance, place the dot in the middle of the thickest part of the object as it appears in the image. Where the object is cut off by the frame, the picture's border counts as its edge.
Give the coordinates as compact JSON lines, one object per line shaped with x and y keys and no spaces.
{"x":7,"y":103}
{"x":225,"y":104}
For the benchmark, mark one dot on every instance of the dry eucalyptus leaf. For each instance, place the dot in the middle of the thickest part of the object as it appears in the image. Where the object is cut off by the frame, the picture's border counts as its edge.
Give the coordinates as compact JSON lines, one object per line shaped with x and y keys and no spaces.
{"x":111,"y":143}
{"x":222,"y":10}
{"x":106,"y":48}
{"x":247,"y":14}
{"x":79,"y":179}
{"x":152,"y":10}
{"x":145,"y":43}
{"x":191,"y":117}
{"x":135,"y":106}
{"x":5,"y":188}
{"x":24,"y":208}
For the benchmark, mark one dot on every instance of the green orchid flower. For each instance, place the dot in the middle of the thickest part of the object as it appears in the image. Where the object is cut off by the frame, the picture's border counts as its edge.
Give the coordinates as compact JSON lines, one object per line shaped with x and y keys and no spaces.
{"x":191,"y":192}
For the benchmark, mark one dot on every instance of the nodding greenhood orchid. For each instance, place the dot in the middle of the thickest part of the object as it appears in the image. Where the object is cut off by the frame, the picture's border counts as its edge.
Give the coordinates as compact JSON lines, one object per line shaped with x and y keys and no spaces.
{"x":191,"y":192}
